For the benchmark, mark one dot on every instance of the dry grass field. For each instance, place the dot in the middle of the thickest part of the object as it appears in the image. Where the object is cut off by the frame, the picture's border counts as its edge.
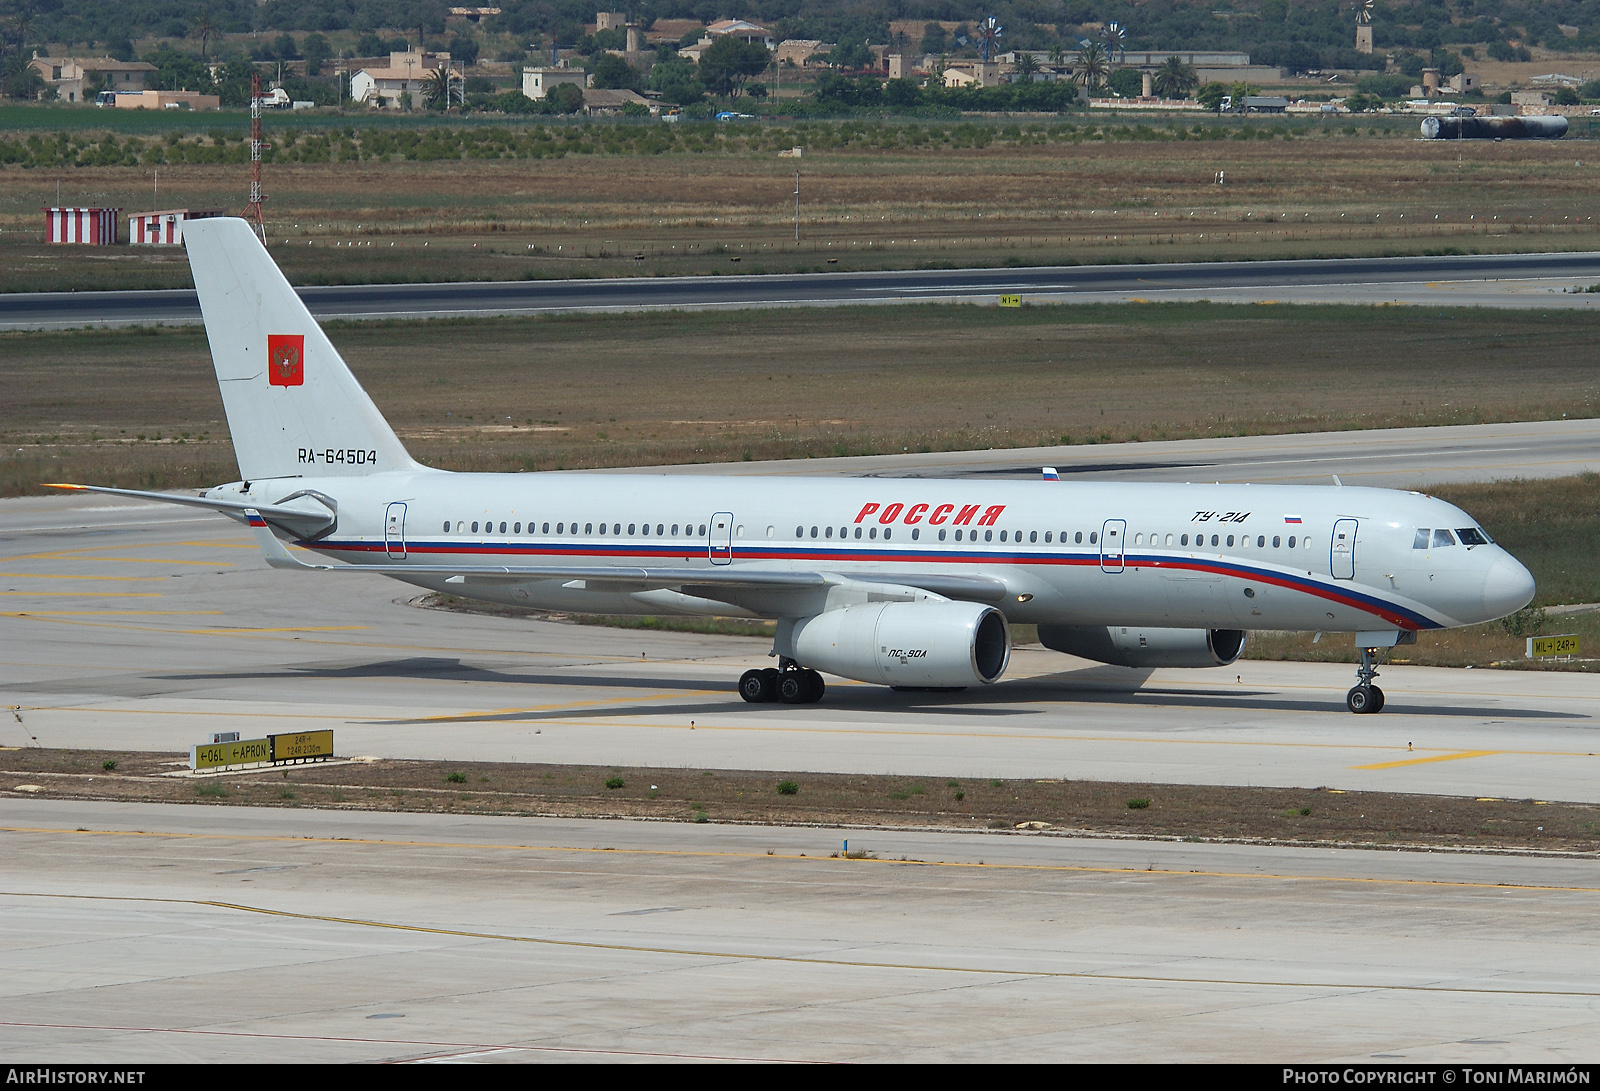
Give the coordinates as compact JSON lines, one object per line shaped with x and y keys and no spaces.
{"x":1285,"y":815}
{"x":1114,"y":191}
{"x":141,"y":408}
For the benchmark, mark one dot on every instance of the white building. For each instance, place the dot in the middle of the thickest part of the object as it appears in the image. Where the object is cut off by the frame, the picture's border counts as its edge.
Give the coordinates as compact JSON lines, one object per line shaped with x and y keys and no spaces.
{"x":537,"y":83}
{"x":408,"y":73}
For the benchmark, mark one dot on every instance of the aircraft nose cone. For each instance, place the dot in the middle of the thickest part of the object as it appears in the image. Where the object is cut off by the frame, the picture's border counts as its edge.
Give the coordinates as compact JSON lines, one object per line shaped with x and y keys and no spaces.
{"x":1507,"y":588}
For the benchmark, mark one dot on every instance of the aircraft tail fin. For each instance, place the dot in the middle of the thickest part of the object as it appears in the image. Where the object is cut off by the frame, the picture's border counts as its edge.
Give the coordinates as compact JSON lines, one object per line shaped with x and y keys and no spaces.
{"x":294,"y":408}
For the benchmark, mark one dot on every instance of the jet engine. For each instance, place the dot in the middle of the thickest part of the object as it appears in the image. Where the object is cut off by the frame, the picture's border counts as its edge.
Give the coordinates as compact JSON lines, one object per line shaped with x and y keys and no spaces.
{"x":912,"y":644}
{"x":1133,"y":646}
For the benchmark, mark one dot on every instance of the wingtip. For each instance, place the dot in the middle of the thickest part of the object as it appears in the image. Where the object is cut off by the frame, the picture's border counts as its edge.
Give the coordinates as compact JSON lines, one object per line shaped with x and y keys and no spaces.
{"x":59,"y":485}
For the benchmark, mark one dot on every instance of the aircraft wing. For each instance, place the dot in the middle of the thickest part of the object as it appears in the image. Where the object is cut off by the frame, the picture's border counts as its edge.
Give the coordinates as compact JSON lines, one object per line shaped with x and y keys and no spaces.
{"x":619,"y":578}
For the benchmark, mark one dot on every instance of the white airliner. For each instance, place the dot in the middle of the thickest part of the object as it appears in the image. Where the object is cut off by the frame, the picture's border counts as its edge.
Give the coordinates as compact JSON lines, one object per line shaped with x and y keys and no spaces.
{"x":906,"y":583}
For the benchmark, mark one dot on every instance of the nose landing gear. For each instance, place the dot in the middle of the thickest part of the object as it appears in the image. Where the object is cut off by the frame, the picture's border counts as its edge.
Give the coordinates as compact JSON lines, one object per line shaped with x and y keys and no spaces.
{"x":789,"y":683}
{"x":1365,"y":697}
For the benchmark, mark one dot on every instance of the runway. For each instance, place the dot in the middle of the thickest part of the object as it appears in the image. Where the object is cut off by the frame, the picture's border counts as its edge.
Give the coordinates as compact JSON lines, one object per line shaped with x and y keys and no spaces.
{"x":1387,"y":458}
{"x":1494,"y":280}
{"x":137,"y":933}
{"x":138,"y":626}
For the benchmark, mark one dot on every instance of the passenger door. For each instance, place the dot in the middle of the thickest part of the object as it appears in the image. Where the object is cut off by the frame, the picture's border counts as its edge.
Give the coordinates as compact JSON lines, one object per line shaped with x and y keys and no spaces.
{"x":394,"y":531}
{"x":1342,"y":558}
{"x":1111,"y":544}
{"x":719,"y":544}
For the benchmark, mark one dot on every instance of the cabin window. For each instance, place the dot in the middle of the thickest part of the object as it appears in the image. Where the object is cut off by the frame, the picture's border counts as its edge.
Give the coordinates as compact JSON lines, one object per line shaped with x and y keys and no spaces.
{"x":1002,"y":535}
{"x":916,"y":532}
{"x":799,"y":532}
{"x":858,"y":532}
{"x":1047,"y":536}
{"x":474,"y":526}
{"x":873,"y":533}
{"x":561,"y":528}
{"x":661,"y":530}
{"x":702,"y":528}
{"x":941,"y":534}
{"x":1230,"y":541}
{"x":1183,"y":540}
{"x":588,"y":528}
{"x":502,"y":528}
{"x":1169,"y":539}
{"x":958,"y":535}
{"x":1471,"y":536}
{"x":1078,"y":537}
{"x":1033,"y":536}
{"x":630,"y":527}
{"x":1275,"y":541}
{"x":888,"y":532}
{"x":1138,"y":539}
{"x":828,"y":533}
{"x":602,"y":528}
{"x":988,"y":535}
{"x":1291,"y":541}
{"x":1442,"y":538}
{"x":516,"y":528}
{"x":1421,"y":540}
{"x":1261,"y":541}
{"x":546,"y":529}
{"x":447,"y":526}
{"x":813,"y":532}
{"x":1093,"y":536}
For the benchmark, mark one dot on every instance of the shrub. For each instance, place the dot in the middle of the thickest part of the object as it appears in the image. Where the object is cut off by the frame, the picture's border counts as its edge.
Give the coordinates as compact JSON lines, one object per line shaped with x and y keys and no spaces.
{"x":457,"y":778}
{"x":109,"y":765}
{"x":616,"y":782}
{"x":1138,"y":804}
{"x":788,"y":788}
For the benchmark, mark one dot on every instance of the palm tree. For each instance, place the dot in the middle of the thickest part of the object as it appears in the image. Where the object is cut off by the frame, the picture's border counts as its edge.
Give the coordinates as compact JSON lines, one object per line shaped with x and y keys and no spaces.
{"x":1175,"y":79}
{"x":1058,"y":55}
{"x":1092,"y":69}
{"x":1027,"y":66}
{"x":437,"y":91}
{"x":206,"y":29}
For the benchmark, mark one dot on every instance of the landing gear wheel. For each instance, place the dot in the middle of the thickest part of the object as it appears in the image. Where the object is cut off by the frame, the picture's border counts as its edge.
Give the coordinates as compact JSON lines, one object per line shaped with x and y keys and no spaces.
{"x":792,"y":688}
{"x":759,"y":686}
{"x":1363,"y":699}
{"x":800,"y":687}
{"x":814,"y":684}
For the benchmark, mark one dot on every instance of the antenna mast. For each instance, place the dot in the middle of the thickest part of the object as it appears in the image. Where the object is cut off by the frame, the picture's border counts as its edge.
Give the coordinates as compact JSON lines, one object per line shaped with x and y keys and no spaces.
{"x":252,"y":210}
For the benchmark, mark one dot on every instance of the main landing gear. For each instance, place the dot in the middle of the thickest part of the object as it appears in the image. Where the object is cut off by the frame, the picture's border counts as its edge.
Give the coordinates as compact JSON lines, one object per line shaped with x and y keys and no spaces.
{"x":1365,"y":697}
{"x":788,"y":682}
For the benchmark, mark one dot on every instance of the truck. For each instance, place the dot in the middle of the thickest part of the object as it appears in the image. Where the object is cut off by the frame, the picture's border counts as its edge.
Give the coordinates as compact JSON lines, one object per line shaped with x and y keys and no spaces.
{"x":276,"y":99}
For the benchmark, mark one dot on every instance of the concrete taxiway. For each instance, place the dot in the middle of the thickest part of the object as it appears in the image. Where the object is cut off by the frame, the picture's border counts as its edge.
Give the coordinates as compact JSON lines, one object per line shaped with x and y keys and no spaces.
{"x":170,"y":933}
{"x":144,"y":627}
{"x":144,"y":933}
{"x":1514,"y":281}
{"x":1387,"y":458}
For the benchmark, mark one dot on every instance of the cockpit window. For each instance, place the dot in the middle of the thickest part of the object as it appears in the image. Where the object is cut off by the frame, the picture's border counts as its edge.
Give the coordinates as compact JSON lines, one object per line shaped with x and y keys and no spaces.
{"x":1472,"y":536}
{"x":1421,"y":540}
{"x":1442,"y":537}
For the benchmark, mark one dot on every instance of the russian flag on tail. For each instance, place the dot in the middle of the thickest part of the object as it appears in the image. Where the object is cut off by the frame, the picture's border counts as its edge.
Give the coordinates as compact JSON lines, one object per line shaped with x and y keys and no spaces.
{"x":1050,"y":474}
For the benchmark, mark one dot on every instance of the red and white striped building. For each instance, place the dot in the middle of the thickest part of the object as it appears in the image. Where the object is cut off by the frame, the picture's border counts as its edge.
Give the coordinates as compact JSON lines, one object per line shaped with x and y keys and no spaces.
{"x":89,"y":226}
{"x":164,"y":228}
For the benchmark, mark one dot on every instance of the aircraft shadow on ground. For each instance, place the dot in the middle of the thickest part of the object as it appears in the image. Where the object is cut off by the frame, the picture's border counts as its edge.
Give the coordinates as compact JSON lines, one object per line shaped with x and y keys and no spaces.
{"x":1004,"y":700}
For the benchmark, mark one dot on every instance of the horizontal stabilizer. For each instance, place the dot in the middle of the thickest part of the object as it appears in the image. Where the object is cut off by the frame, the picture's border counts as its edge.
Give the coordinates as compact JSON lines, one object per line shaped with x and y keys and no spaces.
{"x":301,"y":521}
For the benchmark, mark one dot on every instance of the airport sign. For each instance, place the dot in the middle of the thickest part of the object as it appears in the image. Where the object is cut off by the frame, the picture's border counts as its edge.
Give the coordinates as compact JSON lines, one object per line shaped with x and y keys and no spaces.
{"x":1545,"y":647}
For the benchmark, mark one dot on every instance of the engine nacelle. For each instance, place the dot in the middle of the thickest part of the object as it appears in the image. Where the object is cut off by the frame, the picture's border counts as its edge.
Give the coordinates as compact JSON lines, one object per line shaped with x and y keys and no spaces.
{"x":933,"y":644}
{"x":1134,"y":646}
